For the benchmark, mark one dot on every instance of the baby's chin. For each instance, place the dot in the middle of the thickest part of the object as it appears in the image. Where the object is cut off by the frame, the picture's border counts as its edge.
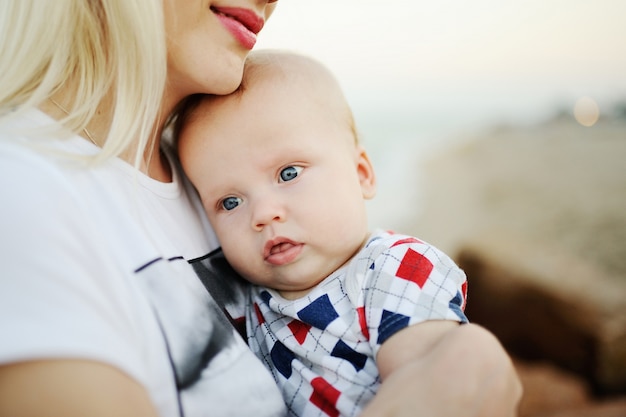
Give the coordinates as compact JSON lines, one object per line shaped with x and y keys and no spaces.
{"x":294,"y":294}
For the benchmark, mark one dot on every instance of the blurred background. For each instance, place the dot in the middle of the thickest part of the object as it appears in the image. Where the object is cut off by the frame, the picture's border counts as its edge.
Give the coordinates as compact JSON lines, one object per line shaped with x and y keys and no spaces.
{"x":498,"y":133}
{"x":424,"y":75}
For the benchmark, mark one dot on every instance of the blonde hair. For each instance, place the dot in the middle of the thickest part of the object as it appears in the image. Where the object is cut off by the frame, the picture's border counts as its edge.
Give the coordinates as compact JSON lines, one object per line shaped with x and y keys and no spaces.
{"x":96,"y":48}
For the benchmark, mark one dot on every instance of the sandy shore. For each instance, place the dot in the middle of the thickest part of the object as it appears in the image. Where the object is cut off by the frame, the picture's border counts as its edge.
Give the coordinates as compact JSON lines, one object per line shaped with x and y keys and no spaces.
{"x":560,"y":185}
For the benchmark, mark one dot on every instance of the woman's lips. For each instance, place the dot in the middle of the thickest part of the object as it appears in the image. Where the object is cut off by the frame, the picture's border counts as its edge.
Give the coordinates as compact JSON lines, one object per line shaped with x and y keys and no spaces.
{"x":281,"y":251}
{"x":243,"y":24}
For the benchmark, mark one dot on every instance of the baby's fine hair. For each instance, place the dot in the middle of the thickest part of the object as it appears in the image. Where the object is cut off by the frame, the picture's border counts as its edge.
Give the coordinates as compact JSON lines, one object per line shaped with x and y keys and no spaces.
{"x":287,"y":66}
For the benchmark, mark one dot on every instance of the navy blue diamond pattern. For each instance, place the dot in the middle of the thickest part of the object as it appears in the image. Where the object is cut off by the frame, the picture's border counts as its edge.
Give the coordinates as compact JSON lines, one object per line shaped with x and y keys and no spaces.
{"x":282,"y":358}
{"x":344,"y":351}
{"x":320,"y":313}
{"x":390,"y":323}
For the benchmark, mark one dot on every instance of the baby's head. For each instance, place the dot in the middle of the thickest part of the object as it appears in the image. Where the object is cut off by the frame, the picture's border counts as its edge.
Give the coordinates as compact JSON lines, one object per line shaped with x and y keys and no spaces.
{"x":280,"y":173}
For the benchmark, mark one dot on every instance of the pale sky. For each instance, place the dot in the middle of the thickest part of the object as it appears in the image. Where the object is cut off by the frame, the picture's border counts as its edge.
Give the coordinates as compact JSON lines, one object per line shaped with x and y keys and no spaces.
{"x":540,"y":52}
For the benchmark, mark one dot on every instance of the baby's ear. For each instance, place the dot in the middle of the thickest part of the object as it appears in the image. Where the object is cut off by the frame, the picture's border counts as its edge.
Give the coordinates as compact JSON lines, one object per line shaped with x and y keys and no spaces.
{"x":365,"y":171}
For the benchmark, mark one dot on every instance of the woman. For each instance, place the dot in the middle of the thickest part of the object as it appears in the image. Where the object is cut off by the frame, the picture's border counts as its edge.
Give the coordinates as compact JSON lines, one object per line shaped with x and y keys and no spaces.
{"x":101,"y":314}
{"x":103,"y":241}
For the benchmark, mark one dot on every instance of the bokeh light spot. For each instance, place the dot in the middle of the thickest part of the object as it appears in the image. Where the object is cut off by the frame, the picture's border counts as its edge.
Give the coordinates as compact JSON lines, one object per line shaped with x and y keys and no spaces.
{"x":586,"y":111}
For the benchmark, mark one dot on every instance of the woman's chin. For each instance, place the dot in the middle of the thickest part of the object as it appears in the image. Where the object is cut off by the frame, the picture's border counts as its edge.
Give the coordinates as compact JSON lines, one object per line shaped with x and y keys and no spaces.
{"x":228,"y":84}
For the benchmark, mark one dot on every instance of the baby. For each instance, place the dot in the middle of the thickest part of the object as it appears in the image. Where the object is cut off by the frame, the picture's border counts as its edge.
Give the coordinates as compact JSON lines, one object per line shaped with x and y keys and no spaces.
{"x":284,"y":182}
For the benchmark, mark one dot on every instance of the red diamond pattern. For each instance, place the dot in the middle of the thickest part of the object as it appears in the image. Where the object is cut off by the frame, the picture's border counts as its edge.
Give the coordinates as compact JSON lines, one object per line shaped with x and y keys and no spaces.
{"x":464,"y":290}
{"x":259,"y":315}
{"x":325,"y":396}
{"x":361,"y":312}
{"x":299,"y":330}
{"x":414,"y":267}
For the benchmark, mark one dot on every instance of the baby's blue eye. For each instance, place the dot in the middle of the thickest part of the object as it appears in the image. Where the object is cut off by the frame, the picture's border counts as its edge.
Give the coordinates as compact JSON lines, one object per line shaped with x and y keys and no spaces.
{"x":290,"y":173}
{"x":230,"y":203}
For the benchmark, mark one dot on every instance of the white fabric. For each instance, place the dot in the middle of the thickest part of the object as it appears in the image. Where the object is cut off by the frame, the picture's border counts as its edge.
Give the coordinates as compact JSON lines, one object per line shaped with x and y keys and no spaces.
{"x":95,"y":265}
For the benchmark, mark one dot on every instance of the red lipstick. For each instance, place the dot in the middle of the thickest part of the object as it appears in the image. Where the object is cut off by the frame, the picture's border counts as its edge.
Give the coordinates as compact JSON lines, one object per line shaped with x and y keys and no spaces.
{"x":243,"y":24}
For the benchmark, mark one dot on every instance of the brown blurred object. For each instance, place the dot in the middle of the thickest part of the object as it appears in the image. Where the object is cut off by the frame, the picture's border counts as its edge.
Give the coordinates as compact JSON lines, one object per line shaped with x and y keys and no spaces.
{"x":552,"y":392}
{"x":543,"y":305}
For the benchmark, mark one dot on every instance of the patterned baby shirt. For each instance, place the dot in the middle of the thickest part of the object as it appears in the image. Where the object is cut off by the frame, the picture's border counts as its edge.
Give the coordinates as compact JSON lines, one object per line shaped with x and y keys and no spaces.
{"x":322,"y":347}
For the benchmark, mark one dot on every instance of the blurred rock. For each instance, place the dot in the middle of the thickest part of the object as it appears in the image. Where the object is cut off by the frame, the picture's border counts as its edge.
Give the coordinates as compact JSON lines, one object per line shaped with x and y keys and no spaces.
{"x":547,"y":389}
{"x":547,"y":305}
{"x":551,"y":392}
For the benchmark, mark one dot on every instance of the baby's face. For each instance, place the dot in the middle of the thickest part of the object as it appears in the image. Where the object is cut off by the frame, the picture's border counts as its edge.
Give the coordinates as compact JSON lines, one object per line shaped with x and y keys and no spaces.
{"x":282,"y":183}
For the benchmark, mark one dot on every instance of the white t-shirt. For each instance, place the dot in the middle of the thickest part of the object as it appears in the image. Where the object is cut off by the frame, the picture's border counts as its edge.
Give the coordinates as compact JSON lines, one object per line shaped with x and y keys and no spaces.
{"x":98,"y":263}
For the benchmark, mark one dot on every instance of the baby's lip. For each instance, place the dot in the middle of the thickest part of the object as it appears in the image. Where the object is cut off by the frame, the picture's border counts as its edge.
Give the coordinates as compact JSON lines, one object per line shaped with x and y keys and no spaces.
{"x":275,"y":245}
{"x":281,"y":250}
